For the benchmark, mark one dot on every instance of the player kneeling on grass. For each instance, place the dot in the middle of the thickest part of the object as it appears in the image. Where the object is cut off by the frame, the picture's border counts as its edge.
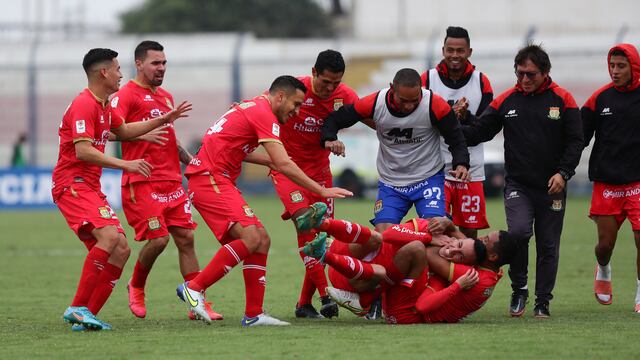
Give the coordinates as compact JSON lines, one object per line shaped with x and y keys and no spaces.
{"x":397,"y":268}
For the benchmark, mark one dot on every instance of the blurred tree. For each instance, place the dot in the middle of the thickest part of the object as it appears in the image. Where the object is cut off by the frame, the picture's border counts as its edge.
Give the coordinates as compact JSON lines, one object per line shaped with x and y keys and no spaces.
{"x":264,"y":18}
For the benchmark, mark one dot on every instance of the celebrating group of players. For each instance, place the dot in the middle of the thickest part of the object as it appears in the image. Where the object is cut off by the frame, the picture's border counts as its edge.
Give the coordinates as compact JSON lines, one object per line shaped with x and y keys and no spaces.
{"x":425,"y":270}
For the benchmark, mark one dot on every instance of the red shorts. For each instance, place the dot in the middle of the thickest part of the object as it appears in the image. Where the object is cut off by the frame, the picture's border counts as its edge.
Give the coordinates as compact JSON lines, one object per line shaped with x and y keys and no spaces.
{"x":86,"y":209}
{"x":294,"y":197}
{"x":465,"y":202}
{"x":621,"y":201}
{"x":152,"y":207}
{"x":220,"y":204}
{"x":399,"y":302}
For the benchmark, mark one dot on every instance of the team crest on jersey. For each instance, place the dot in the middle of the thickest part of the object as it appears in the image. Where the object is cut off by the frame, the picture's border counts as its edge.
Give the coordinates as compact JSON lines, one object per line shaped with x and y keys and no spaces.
{"x":377,"y":207}
{"x":275,"y":129}
{"x":557,"y":205}
{"x":554,"y":113}
{"x":248,"y":211}
{"x":169,"y":104}
{"x":487,"y":292}
{"x":337,"y":104}
{"x":296,"y":196}
{"x":105,"y":212}
{"x":154,"y":223}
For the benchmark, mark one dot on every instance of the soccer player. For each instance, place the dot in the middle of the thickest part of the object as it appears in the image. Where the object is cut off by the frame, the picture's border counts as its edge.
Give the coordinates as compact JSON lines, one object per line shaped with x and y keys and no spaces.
{"x":543,"y":140}
{"x":301,"y":137}
{"x":212,"y":174}
{"x":409,"y":122}
{"x":155,"y":206}
{"x":84,"y":131}
{"x":455,"y":78}
{"x":467,"y":263}
{"x":611,"y":114}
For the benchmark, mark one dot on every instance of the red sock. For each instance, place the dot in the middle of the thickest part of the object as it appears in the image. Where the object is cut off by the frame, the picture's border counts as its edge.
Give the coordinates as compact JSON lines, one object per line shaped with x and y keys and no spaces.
{"x":400,"y":235}
{"x":349,"y":267}
{"x":254,"y":270}
{"x":367,"y":298}
{"x":314,"y":276}
{"x":223,"y":261}
{"x":107,"y":280}
{"x":93,"y":264}
{"x":345,"y":231}
{"x":139,"y":276}
{"x":190,"y":276}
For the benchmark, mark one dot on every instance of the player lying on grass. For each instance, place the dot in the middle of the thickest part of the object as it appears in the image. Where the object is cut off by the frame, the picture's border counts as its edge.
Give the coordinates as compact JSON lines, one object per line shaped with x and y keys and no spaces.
{"x":365,"y":263}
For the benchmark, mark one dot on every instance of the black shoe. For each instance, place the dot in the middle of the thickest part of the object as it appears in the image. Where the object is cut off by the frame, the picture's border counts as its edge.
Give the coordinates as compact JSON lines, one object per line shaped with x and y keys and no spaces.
{"x":375,"y":311}
{"x":518,"y":302}
{"x":541,"y":310}
{"x":329,"y":307}
{"x":307,"y":311}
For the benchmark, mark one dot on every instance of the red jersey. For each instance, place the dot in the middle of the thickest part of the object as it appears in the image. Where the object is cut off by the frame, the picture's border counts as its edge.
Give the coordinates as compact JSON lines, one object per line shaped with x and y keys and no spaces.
{"x":464,"y":303}
{"x":135,"y":102}
{"x":233,"y":136}
{"x":301,"y":134}
{"x":87,"y":118}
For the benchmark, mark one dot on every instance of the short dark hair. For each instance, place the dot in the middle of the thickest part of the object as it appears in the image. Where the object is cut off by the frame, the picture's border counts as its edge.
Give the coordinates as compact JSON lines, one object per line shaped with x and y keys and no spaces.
{"x":407,"y":77}
{"x":329,"y":60}
{"x":457,"y":32}
{"x":97,"y":56}
{"x":481,"y":251}
{"x":140,"y":53}
{"x":287,"y":83}
{"x":617,"y":52}
{"x":506,"y":248}
{"x":536,"y":54}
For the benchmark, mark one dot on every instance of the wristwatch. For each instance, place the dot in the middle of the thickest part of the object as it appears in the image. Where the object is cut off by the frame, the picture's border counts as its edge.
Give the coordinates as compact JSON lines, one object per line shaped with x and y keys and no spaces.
{"x":565,"y":175}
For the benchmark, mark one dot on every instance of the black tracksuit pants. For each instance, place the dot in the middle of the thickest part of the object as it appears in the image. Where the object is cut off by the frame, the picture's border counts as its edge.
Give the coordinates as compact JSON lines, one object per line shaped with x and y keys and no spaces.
{"x":531,"y":210}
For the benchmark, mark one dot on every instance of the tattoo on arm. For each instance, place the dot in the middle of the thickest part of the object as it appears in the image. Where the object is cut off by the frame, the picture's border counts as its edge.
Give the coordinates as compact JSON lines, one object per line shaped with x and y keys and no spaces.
{"x":184,"y":155}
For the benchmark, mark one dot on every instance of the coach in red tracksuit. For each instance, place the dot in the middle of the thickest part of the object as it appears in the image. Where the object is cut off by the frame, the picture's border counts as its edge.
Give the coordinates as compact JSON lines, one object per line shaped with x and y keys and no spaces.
{"x":612,"y":114}
{"x":543,"y":140}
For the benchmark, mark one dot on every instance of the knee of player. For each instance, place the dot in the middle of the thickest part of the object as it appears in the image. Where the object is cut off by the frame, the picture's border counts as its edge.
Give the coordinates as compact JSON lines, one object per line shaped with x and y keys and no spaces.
{"x":379,"y":272}
{"x":184,"y":241}
{"x":375,"y":241}
{"x":159,"y":243}
{"x":265,"y":240}
{"x":122,"y":249}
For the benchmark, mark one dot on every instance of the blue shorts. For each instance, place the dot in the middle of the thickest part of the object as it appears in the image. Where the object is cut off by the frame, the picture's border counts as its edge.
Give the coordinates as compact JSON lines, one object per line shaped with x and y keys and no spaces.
{"x":393,"y":202}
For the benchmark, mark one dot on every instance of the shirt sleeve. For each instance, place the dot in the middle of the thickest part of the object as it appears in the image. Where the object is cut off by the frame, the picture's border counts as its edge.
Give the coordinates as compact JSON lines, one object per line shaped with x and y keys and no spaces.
{"x":487,"y":94}
{"x":82,"y":118}
{"x":430,"y":300}
{"x":347,"y":116}
{"x":266,"y":126}
{"x":443,"y":118}
{"x":120,"y":106}
{"x":485,"y":127}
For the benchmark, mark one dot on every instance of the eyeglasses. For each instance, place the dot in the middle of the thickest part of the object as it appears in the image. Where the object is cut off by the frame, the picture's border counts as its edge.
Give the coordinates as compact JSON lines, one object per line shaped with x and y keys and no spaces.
{"x":529,"y":74}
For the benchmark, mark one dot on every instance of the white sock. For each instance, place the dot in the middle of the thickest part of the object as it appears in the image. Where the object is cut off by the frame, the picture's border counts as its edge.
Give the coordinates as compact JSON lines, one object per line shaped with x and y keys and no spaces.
{"x":604,"y":272}
{"x":638,"y":293}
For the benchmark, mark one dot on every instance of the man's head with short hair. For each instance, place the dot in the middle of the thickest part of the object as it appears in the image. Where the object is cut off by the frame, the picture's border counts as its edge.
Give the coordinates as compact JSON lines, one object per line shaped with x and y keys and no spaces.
{"x":327,"y":73}
{"x":457,"y":32}
{"x":102,"y":69}
{"x":286,"y":94}
{"x":532,"y":66}
{"x":406,"y":90}
{"x":501,"y":247}
{"x":151,"y":63}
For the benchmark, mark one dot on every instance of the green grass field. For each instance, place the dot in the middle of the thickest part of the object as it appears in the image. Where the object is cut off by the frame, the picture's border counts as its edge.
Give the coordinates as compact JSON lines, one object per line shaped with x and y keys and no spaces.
{"x":41,"y":258}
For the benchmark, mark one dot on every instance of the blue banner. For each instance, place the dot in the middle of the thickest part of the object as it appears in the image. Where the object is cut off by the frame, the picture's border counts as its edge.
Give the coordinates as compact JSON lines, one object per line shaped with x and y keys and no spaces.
{"x":30,"y":188}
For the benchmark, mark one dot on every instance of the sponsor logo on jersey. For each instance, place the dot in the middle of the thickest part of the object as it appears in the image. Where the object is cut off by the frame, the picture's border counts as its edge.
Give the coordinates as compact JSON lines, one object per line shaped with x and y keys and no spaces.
{"x":148,"y":98}
{"x":296,"y":196}
{"x":80,"y":126}
{"x":337,"y":104}
{"x":511,"y":113}
{"x":472,"y":219}
{"x":275,"y":129}
{"x":155,"y":113}
{"x":606,"y":111}
{"x":154,"y":223}
{"x":433,"y":204}
{"x":105,"y":212}
{"x":114,"y":102}
{"x":101,"y":119}
{"x":377,"y":207}
{"x":556,"y":205}
{"x":554,"y":113}
{"x":613,"y":194}
{"x":246,"y":105}
{"x":309,"y":102}
{"x":513,"y":195}
{"x":248,"y":211}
